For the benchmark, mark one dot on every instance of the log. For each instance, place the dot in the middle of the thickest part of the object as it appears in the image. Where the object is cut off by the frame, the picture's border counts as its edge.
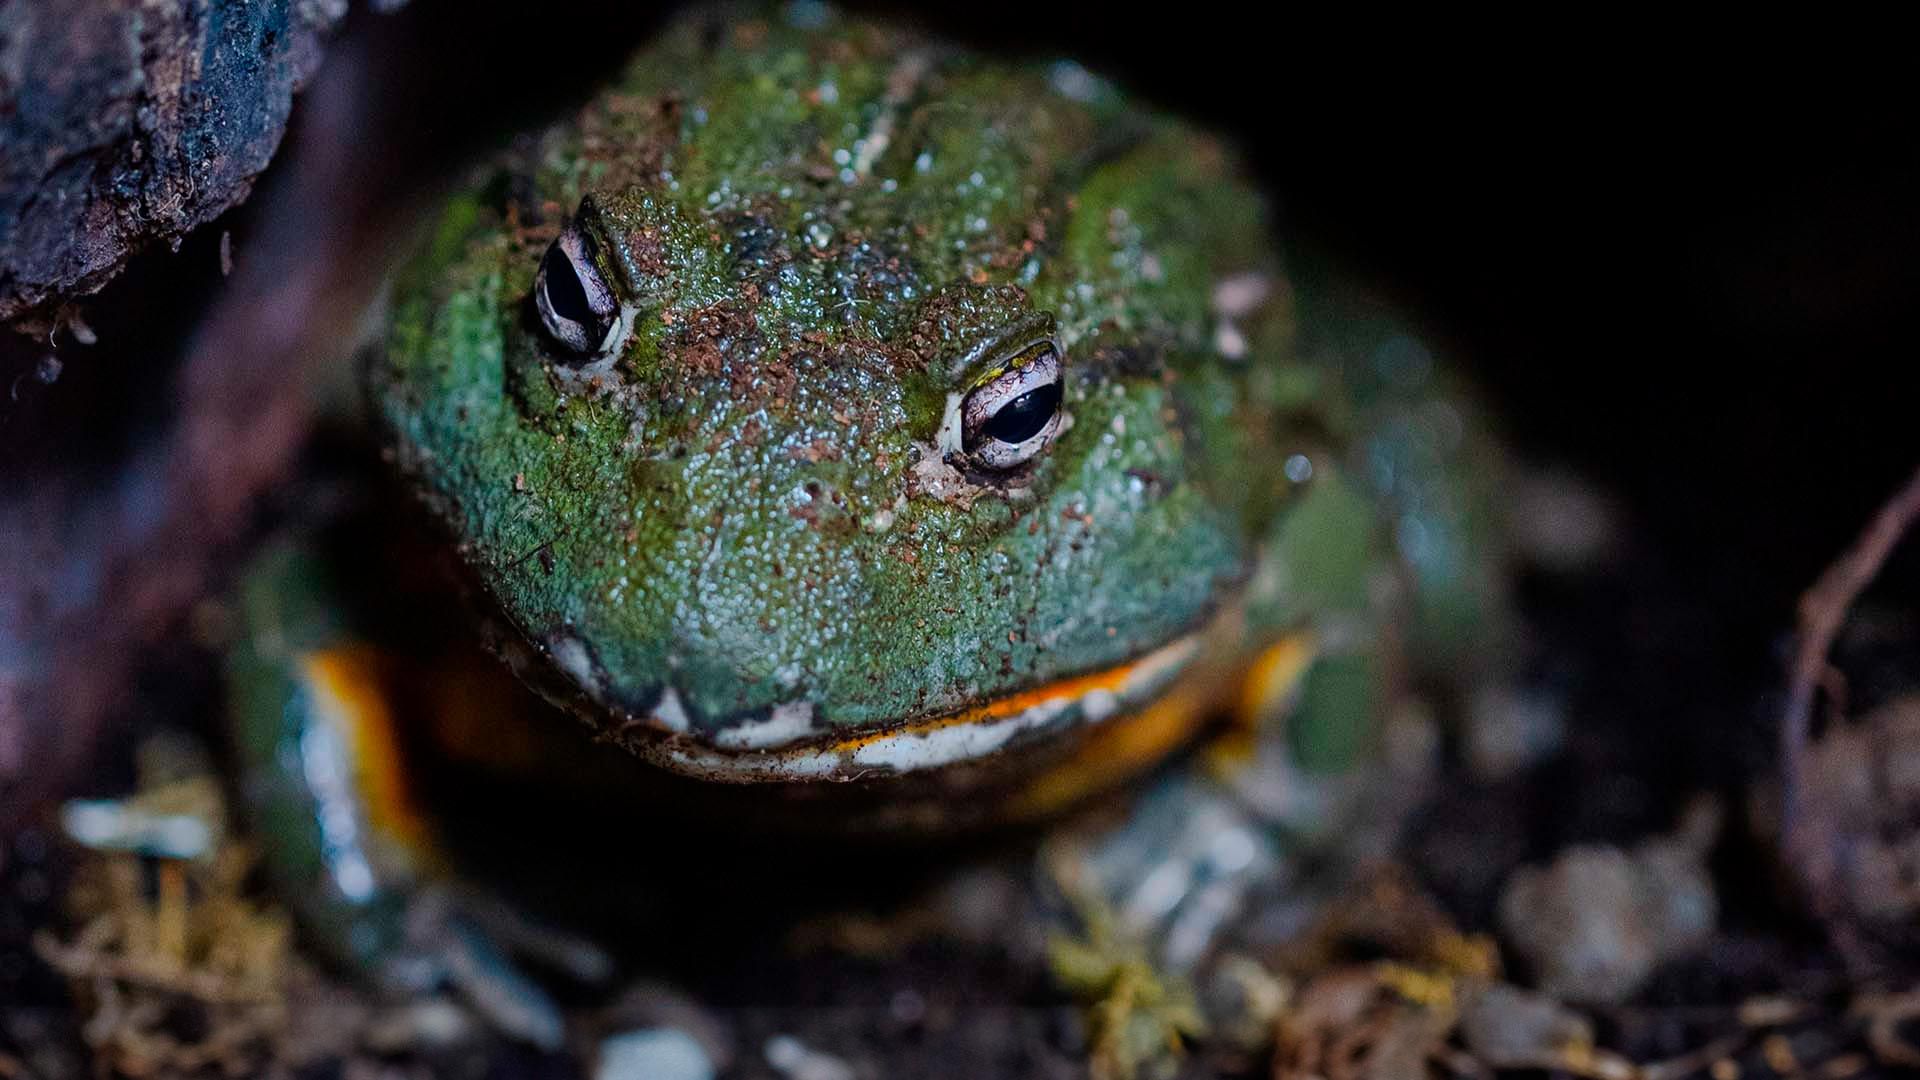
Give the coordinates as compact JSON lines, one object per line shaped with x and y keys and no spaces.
{"x":125,"y":124}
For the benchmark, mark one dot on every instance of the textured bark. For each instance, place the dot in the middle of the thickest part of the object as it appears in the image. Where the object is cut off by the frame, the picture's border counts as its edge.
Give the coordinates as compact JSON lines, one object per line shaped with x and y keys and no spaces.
{"x":126,"y":123}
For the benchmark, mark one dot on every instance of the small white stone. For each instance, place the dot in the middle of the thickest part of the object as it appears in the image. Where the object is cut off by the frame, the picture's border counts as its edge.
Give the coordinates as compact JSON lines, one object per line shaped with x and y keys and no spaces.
{"x":653,"y":1054}
{"x":108,"y":825}
{"x":795,"y":1060}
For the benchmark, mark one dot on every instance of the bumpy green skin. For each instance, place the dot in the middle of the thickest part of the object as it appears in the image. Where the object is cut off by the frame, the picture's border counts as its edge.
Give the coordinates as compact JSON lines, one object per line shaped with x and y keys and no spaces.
{"x":821,"y":228}
{"x":817,"y":225}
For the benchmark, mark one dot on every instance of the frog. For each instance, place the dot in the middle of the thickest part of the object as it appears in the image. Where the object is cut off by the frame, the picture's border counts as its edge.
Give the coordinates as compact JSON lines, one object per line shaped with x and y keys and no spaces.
{"x":834,"y":431}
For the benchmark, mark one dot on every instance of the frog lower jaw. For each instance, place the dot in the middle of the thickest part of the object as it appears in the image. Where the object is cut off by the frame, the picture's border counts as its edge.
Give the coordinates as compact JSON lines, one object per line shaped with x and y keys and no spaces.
{"x":953,"y":739}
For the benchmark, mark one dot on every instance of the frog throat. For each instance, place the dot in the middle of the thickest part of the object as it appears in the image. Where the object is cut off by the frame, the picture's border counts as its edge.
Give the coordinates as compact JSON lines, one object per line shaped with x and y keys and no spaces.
{"x":778,"y":748}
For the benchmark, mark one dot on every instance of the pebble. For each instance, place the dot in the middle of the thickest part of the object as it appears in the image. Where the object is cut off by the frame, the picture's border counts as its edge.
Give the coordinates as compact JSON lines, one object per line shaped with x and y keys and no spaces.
{"x":653,"y":1054}
{"x":1594,"y":923}
{"x":1510,"y":1028}
{"x":1510,"y":729}
{"x":433,"y":1024}
{"x":122,"y":825}
{"x":795,"y":1060}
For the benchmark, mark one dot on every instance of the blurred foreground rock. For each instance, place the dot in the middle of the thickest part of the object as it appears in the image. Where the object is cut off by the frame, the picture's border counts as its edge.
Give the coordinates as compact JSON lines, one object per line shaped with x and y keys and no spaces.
{"x":127,"y":124}
{"x":1595,"y":923}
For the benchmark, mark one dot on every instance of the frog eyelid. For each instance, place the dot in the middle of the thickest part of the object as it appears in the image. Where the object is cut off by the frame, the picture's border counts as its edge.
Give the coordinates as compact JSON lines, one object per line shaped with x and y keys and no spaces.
{"x":1013,"y":346}
{"x":1020,"y":358}
{"x":1035,"y":366}
{"x":993,"y":354}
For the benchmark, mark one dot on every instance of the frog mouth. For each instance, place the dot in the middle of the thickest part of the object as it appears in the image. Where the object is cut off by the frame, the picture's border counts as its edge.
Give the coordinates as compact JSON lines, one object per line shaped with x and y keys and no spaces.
{"x":950,"y":739}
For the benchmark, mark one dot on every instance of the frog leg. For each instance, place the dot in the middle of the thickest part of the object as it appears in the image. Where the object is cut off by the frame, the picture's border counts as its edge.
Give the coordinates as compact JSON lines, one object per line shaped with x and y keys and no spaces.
{"x":1384,"y":561}
{"x":1286,"y":783}
{"x":1260,"y":806}
{"x":320,"y":719}
{"x":1263,"y":817}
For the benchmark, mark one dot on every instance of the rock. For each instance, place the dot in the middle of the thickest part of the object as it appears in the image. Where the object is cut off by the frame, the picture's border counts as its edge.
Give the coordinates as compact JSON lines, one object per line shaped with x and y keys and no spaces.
{"x":649,"y":1005}
{"x":432,"y":1024}
{"x":121,"y":825}
{"x":1510,"y":729}
{"x":1596,"y":922}
{"x":796,"y":1060}
{"x":1510,"y":1028}
{"x":128,"y":124}
{"x":1560,"y":522}
{"x":1861,"y":795}
{"x":652,"y":1054}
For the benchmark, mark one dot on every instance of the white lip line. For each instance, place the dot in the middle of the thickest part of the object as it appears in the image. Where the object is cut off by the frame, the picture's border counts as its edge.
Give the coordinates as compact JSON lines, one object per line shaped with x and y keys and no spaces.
{"x":912,"y":751}
{"x":786,"y":723}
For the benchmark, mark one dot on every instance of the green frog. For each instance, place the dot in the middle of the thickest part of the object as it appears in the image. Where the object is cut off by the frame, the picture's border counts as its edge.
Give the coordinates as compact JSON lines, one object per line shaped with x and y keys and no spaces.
{"x":844,"y":433}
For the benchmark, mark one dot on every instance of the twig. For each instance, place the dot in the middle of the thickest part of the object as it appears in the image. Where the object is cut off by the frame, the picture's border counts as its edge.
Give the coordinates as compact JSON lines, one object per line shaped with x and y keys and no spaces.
{"x":1695,"y":1060}
{"x":1884,"y":1014}
{"x":1823,"y":610}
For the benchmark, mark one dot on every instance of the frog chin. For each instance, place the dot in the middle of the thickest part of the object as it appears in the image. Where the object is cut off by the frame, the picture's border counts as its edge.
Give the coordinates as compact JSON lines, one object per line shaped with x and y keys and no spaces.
{"x":783,"y":746}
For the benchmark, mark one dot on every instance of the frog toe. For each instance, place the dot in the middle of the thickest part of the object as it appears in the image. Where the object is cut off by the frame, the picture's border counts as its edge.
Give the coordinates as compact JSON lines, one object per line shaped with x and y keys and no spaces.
{"x":476,"y":968}
{"x":480,"y":948}
{"x":577,"y":958}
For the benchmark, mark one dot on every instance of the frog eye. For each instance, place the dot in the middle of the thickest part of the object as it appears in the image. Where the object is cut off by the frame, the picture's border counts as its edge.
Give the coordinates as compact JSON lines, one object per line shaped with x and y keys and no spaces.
{"x":576,"y":305}
{"x":1008,"y":420}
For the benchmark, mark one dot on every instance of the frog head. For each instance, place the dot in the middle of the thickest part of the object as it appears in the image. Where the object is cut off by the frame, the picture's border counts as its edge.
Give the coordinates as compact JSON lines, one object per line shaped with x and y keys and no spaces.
{"x":825,"y":401}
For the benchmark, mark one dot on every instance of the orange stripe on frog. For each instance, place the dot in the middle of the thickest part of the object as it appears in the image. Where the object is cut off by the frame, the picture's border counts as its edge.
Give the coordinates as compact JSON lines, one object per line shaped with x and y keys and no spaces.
{"x":1118,"y":751}
{"x":1062,"y":690}
{"x":1265,"y":695}
{"x":351,"y":686}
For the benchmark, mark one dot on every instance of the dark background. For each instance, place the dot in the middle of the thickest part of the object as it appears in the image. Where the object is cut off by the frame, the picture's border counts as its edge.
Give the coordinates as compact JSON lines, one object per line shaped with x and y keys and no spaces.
{"x":1682,"y":261}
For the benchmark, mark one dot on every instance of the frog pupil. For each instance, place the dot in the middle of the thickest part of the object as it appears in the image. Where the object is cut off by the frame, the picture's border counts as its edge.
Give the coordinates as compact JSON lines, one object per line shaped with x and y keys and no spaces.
{"x":1023,"y":417}
{"x":566,"y":297}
